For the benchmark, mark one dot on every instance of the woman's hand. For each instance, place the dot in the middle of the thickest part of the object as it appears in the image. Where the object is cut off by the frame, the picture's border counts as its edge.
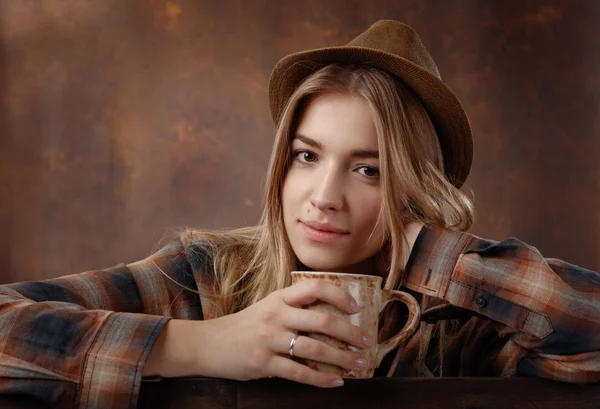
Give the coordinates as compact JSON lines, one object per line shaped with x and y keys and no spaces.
{"x":254,"y":343}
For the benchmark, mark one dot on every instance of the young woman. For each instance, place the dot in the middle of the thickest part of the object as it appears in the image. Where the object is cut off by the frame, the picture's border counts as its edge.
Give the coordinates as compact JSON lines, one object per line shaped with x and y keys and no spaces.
{"x":370,"y":151}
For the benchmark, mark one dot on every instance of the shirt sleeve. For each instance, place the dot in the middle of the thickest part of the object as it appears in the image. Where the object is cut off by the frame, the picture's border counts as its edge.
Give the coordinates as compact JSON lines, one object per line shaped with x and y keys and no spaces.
{"x":80,"y":341}
{"x":550,"y":309}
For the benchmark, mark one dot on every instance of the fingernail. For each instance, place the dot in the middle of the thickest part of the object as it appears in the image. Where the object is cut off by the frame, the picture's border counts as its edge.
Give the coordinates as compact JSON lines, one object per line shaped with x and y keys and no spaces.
{"x":367,"y":340}
{"x":360,"y":363}
{"x":354,"y":305}
{"x":337,"y":382}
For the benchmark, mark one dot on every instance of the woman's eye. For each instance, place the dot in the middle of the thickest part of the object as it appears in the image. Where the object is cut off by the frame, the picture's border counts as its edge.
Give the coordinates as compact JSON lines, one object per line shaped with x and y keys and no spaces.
{"x":369,"y":171}
{"x":305,"y":156}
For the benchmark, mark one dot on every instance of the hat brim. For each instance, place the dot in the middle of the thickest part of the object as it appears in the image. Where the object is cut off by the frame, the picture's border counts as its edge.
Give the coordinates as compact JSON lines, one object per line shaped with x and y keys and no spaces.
{"x":446,"y":112}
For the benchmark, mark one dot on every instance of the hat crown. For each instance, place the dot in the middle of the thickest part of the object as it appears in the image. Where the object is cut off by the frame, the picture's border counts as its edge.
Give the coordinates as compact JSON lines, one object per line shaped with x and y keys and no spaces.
{"x":394,"y":37}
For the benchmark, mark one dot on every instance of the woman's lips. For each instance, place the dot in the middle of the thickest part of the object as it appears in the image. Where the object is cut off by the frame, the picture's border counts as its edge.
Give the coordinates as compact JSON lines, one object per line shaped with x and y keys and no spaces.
{"x":320,"y":235}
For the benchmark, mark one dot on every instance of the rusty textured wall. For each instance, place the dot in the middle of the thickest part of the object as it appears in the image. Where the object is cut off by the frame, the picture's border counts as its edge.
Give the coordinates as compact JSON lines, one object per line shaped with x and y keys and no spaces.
{"x":121,"y":120}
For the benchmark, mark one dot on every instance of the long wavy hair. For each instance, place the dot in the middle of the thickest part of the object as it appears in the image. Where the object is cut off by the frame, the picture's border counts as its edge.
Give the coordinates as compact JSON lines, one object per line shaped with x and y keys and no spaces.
{"x":250,"y":263}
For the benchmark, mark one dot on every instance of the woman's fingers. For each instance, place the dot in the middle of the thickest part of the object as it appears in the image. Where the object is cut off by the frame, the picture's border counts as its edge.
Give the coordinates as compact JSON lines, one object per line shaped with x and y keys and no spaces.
{"x":283,"y":367}
{"x":307,"y":292}
{"x":315,"y":350}
{"x":271,"y":323}
{"x":324,"y":323}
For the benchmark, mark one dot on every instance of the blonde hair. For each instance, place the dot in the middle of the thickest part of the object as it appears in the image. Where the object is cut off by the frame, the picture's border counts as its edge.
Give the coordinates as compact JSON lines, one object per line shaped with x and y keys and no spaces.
{"x":250,"y":263}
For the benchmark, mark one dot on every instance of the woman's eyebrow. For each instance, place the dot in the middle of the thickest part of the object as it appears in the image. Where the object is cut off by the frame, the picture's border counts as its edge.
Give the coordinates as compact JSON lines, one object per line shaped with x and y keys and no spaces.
{"x":357,"y":153}
{"x":309,"y":141}
{"x":364,"y":154}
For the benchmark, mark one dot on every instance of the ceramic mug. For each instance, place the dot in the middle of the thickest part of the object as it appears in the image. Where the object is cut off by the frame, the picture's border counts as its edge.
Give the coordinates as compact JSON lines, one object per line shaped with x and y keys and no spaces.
{"x":372,"y":299}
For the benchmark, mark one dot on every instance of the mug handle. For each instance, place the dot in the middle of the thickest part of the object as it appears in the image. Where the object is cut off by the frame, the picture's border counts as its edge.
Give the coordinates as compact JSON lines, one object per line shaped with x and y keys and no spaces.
{"x":414,"y":313}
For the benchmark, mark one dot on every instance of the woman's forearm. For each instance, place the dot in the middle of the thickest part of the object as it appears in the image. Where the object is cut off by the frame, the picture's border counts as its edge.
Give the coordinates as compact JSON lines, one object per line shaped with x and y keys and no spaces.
{"x":180,"y":350}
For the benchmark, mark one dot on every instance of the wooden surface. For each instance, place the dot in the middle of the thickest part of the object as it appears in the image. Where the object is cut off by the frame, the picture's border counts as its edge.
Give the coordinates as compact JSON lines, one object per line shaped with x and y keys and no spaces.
{"x":464,"y":393}
{"x":374,"y":393}
{"x":121,"y":120}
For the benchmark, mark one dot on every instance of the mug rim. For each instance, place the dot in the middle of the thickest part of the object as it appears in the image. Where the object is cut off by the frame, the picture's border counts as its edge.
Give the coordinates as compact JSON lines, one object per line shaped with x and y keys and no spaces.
{"x":374,"y":277}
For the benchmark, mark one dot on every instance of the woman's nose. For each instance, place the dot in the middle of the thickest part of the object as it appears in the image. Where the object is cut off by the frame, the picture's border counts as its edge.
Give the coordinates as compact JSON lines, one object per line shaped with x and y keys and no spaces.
{"x":327,"y":194}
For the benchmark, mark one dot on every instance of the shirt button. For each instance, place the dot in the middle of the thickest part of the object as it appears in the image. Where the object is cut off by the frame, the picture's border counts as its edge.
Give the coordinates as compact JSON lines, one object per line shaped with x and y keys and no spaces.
{"x":481,"y":302}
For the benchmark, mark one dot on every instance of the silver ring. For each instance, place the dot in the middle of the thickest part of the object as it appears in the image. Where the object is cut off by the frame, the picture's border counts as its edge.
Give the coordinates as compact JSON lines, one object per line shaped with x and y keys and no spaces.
{"x":292,"y":344}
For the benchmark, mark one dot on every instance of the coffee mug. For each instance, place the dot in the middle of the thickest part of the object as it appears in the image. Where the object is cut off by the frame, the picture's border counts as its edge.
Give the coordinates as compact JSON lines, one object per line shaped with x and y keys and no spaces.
{"x":372,"y":299}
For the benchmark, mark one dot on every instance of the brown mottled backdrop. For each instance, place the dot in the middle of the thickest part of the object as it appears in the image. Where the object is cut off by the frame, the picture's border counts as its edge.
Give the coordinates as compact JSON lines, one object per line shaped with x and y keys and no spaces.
{"x":123,"y":119}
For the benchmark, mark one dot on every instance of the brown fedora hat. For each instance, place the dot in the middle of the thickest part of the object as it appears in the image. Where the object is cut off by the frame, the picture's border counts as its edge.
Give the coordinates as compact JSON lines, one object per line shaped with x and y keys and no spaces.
{"x":396,"y":48}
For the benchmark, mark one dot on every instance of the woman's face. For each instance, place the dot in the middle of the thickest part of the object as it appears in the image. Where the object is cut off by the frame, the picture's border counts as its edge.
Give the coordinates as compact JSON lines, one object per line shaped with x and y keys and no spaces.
{"x":332,"y":194}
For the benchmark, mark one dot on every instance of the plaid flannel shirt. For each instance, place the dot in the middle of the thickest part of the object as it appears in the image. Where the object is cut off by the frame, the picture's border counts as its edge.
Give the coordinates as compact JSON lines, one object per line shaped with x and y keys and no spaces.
{"x":80,"y":341}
